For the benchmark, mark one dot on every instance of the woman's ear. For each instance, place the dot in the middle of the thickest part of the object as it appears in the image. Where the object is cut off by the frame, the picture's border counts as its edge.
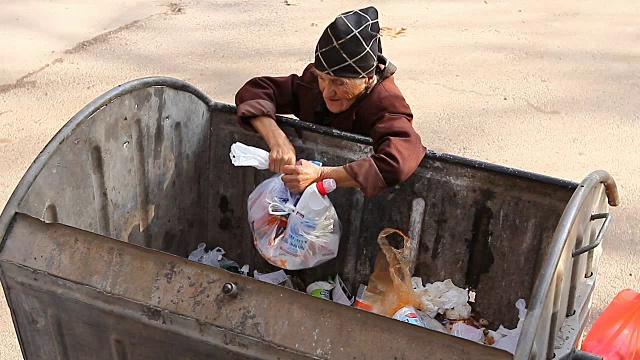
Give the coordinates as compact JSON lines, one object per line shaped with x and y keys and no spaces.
{"x":370,"y":80}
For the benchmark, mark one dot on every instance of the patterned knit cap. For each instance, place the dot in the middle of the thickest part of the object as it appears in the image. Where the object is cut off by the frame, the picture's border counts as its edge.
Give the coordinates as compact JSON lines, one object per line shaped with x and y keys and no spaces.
{"x":350,"y":46}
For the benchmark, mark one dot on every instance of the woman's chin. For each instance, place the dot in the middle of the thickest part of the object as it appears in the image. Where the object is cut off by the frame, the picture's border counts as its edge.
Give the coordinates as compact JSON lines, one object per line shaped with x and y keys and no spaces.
{"x":335,"y":108}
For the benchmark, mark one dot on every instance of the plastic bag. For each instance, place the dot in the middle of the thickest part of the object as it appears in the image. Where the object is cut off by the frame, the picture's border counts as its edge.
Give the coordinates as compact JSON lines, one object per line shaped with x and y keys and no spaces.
{"x":293,"y":242}
{"x":313,"y":231}
{"x":443,"y":297}
{"x":462,"y":330}
{"x":616,"y":332}
{"x":214,"y":258}
{"x":431,"y":323}
{"x":244,"y":155}
{"x":508,"y":339}
{"x":269,"y":206}
{"x":390,"y":287}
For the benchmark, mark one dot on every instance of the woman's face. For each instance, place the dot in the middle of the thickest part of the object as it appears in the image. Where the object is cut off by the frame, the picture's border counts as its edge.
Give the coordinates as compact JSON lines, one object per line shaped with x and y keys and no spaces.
{"x":340,"y":93}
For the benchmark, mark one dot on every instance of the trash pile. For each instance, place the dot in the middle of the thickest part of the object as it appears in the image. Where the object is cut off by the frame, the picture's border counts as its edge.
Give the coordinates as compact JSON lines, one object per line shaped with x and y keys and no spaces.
{"x":392,"y":292}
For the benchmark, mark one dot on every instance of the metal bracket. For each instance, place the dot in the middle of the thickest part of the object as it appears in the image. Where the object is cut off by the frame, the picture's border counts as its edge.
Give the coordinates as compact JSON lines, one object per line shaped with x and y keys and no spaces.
{"x":599,"y":237}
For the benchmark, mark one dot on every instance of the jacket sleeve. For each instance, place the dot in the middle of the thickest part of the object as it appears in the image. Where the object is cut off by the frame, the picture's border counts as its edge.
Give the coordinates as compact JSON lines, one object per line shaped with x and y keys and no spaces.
{"x":267,"y":96}
{"x":398,"y":151}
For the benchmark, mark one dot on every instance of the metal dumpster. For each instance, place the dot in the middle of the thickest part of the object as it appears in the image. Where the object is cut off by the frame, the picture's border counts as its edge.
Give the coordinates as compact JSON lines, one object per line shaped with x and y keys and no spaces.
{"x":95,"y":239}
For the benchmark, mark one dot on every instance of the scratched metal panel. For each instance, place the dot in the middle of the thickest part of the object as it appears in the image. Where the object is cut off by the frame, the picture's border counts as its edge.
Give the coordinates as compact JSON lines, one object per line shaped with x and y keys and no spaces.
{"x":135,"y":171}
{"x":481,"y":228}
{"x":87,"y":296}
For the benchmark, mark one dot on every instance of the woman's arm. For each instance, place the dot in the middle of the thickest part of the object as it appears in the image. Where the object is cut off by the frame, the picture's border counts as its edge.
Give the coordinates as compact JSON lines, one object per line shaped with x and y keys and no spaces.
{"x":258,"y":102}
{"x":281,"y":151}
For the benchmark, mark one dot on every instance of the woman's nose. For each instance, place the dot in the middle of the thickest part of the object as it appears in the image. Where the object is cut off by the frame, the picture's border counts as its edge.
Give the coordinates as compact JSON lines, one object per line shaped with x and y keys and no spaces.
{"x":328,"y":91}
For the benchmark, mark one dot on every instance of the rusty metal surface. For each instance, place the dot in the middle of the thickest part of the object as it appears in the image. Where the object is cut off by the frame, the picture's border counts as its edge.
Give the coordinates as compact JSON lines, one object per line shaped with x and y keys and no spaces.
{"x":81,"y":289}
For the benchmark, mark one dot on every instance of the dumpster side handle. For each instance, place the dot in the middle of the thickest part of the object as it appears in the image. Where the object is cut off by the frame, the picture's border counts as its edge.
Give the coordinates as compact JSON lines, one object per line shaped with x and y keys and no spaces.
{"x":547,"y":276}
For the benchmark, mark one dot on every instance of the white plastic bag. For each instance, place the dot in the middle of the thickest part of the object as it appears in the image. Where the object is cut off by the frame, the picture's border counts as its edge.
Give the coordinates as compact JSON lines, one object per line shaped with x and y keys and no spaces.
{"x":509,"y":339}
{"x":468,"y":332}
{"x":313,"y":230}
{"x":215,"y":258}
{"x":244,"y":155}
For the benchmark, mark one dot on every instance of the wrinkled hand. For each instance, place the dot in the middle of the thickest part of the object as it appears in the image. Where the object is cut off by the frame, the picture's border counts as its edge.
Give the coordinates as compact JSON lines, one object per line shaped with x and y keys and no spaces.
{"x":297,"y":177}
{"x":281,"y":155}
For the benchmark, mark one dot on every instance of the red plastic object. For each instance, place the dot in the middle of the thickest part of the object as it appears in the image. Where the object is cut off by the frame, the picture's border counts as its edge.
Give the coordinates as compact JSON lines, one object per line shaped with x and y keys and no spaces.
{"x":616,"y":333}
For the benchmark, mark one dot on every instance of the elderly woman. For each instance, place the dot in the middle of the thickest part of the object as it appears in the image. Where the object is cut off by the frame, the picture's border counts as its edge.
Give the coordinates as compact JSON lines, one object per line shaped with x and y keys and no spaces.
{"x":349,"y":87}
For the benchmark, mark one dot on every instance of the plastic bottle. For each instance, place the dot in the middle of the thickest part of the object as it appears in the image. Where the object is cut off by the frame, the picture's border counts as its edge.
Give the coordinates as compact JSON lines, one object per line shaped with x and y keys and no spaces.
{"x":308,"y":217}
{"x":410,"y":315}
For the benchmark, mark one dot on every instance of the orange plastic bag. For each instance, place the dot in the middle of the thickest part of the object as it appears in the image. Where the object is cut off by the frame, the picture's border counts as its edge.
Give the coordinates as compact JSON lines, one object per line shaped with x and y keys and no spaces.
{"x":616,"y":333}
{"x":390,"y":287}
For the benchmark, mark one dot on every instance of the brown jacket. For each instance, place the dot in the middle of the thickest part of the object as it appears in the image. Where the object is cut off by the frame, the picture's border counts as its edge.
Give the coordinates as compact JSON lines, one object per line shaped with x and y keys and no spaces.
{"x":382,"y":114}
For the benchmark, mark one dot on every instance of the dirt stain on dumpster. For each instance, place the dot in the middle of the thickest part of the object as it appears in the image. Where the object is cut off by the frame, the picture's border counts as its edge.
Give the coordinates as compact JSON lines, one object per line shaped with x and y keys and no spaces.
{"x":158,"y":136}
{"x":479,"y":246}
{"x":226,"y":213}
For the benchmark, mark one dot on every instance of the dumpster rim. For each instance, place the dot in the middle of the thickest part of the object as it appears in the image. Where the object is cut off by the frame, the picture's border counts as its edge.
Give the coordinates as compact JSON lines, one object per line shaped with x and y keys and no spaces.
{"x":431,"y":154}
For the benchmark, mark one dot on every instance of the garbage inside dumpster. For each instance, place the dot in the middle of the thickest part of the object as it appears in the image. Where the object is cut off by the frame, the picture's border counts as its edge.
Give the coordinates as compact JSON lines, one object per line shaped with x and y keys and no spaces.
{"x":409,"y":314}
{"x":390,"y":287}
{"x":321,"y":289}
{"x":244,"y":155}
{"x":439,"y":306}
{"x":333,"y":290}
{"x":276,"y":278}
{"x":215,"y":258}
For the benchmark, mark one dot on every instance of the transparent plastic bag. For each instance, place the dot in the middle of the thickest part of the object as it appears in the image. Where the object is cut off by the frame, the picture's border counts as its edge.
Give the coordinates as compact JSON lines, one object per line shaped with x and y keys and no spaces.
{"x":269,"y":207}
{"x":390,"y":287}
{"x":313,"y":231}
{"x":289,"y":236}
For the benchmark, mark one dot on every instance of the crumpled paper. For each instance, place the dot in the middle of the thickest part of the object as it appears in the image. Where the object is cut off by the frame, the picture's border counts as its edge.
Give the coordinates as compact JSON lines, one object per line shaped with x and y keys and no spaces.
{"x":443,"y":297}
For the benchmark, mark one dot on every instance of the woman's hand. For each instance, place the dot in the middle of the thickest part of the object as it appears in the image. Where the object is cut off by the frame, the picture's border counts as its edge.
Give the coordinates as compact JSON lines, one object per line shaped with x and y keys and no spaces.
{"x":282,"y":152}
{"x":297,"y":177}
